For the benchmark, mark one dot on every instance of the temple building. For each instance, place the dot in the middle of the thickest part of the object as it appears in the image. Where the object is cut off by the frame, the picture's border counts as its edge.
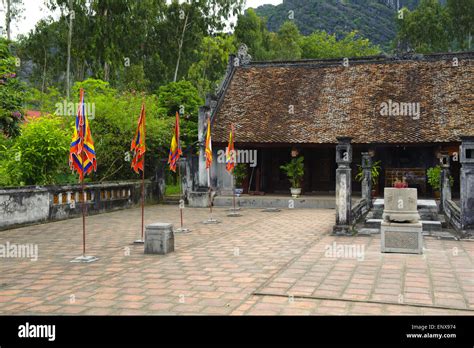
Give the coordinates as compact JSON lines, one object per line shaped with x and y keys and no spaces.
{"x":406,"y":111}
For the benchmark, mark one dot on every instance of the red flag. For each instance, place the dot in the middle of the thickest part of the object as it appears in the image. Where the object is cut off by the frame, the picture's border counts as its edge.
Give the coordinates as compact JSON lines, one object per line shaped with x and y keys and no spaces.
{"x":138,"y":144}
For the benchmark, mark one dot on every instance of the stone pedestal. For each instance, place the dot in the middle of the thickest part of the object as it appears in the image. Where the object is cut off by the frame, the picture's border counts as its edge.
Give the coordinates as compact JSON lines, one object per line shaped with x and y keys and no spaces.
{"x":159,"y":238}
{"x":343,"y":187}
{"x":401,"y":237}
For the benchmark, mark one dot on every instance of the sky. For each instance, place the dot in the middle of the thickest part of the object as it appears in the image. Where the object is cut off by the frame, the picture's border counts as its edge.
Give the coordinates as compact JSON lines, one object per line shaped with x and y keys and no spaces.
{"x":36,"y":10}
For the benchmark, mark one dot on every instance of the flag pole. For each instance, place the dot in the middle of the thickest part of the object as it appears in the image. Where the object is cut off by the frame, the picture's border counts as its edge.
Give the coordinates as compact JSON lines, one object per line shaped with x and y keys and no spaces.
{"x":143,"y":198}
{"x":142,"y":238}
{"x":83,"y":217}
{"x":83,"y":258}
{"x":181,"y":194}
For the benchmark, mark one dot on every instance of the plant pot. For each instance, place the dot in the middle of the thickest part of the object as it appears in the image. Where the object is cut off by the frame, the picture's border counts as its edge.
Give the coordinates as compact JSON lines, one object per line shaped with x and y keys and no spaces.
{"x":295,"y":192}
{"x":437,"y":194}
{"x":239,"y":191}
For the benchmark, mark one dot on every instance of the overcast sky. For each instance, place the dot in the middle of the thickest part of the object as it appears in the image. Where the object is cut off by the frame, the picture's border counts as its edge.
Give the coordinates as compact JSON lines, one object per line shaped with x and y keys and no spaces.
{"x":36,"y":10}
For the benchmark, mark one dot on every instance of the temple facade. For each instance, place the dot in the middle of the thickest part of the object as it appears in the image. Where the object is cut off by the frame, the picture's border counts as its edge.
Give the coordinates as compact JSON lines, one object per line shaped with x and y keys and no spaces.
{"x":406,"y":112}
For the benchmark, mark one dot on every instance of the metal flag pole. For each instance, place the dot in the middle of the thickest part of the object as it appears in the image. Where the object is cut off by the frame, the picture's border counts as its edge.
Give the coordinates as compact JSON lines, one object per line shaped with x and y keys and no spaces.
{"x":142,"y":238}
{"x":83,"y":258}
{"x":83,"y":217}
{"x":181,"y":202}
{"x":211,"y":220}
{"x":233,"y":211}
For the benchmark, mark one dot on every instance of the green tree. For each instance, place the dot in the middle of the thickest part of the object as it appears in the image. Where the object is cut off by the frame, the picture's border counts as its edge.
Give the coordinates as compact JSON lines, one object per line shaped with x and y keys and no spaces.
{"x":12,"y":93}
{"x":184,"y":98}
{"x":251,"y":30}
{"x":39,"y":155}
{"x":321,"y":45}
{"x":209,"y":69}
{"x":286,"y":42}
{"x":425,"y":29}
{"x":461,"y":14}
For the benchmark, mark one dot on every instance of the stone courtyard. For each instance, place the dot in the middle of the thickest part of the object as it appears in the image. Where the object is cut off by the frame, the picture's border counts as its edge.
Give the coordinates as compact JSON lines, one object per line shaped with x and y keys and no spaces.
{"x":280,"y":263}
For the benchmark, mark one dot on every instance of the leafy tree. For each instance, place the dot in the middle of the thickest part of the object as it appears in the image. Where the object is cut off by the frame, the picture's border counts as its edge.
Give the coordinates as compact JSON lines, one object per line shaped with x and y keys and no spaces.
{"x":321,"y":45}
{"x":251,"y":30}
{"x":184,"y":98}
{"x":209,"y":69}
{"x":12,"y":93}
{"x":461,"y":13}
{"x":286,"y":42}
{"x":14,"y":8}
{"x":424,"y":29}
{"x":39,"y":155}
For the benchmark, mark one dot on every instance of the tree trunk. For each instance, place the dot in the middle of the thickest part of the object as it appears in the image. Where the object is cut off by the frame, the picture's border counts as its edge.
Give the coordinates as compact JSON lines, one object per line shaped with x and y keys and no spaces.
{"x":8,"y":19}
{"x":180,"y":47}
{"x":44,"y":73}
{"x":69,"y":39}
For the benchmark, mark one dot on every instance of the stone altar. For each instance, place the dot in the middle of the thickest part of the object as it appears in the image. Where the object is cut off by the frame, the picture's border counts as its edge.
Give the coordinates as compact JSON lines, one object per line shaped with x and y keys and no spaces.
{"x":401,"y":230}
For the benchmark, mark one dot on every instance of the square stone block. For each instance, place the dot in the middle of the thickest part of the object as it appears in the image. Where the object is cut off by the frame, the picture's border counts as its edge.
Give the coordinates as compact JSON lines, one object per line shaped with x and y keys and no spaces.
{"x":405,"y":238}
{"x":400,"y":205}
{"x":159,"y":238}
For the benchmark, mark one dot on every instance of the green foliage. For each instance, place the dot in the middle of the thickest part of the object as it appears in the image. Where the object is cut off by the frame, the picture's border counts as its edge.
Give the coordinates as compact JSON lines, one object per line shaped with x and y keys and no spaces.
{"x":39,"y":155}
{"x":461,"y":13}
{"x":289,"y":44}
{"x":184,"y":98}
{"x":240,"y":173}
{"x":113,"y":127}
{"x":208,"y":70}
{"x":426,"y":29}
{"x":375,"y":172}
{"x":434,"y":177}
{"x":12,"y":93}
{"x":321,"y":45}
{"x":295,"y":171}
{"x":373,"y":19}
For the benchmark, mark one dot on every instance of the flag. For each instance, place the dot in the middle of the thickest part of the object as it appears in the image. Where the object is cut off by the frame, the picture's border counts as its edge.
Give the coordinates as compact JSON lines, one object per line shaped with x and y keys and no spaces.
{"x":81,"y":152}
{"x":138,"y":144}
{"x":230,"y":152}
{"x":208,"y":153}
{"x":175,"y":148}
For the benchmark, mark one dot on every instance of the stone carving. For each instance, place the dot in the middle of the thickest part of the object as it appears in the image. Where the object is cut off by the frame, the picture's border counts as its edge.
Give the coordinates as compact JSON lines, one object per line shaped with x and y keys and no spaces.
{"x":243,"y":56}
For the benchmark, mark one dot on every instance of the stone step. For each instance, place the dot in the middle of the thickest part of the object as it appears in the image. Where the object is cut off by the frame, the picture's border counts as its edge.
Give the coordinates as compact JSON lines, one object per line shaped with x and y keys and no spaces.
{"x":428,"y":226}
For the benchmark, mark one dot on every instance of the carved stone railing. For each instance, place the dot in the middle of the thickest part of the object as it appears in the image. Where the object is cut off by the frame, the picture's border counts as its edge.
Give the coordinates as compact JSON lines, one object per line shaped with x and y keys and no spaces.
{"x":35,"y":204}
{"x":359,"y":210}
{"x":453,"y":215}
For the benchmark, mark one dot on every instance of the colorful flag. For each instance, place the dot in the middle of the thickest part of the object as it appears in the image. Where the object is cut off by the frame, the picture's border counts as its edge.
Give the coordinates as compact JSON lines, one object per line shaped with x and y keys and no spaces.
{"x":175,"y":148}
{"x":208,"y":153}
{"x":81,"y":152}
{"x":230,"y":152}
{"x":138,"y":144}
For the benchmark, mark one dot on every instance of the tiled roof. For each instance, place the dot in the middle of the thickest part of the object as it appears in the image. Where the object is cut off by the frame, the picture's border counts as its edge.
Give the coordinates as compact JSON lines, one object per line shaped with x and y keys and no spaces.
{"x":315,"y":101}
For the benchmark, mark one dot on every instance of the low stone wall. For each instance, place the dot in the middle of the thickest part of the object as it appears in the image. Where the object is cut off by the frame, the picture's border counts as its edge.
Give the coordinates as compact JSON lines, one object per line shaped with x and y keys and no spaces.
{"x":453,"y":215}
{"x":36,"y":204}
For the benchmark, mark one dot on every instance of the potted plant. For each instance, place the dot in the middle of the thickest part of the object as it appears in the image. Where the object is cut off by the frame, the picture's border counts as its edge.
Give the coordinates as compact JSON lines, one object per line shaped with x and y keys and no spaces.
{"x":240,"y":172}
{"x":375,"y":173}
{"x":295,"y":171}
{"x":434,"y":179}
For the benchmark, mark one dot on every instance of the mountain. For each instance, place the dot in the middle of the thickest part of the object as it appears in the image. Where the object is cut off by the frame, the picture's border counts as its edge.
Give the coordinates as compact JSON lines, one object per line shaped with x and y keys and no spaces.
{"x":374,"y":19}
